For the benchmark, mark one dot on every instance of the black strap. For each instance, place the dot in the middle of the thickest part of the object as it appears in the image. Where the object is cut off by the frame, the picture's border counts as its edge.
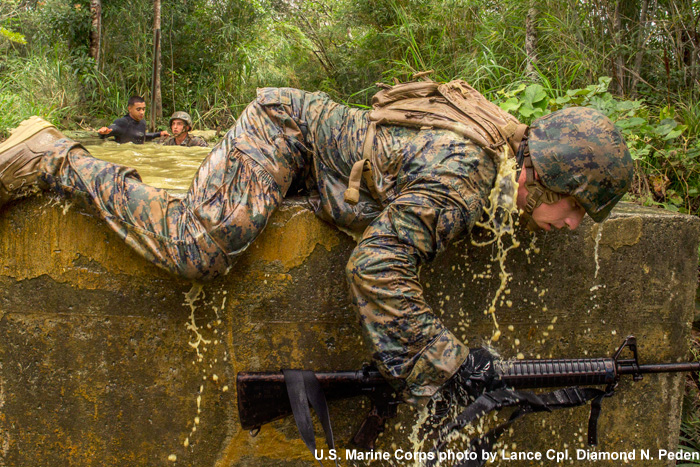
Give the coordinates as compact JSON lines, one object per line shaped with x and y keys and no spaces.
{"x":318,"y":402}
{"x":593,"y":420}
{"x":303,"y":388}
{"x":527,"y":402}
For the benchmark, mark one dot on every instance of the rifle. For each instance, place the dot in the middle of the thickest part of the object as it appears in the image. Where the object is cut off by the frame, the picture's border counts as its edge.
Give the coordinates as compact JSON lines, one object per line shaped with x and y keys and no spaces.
{"x":262,"y":397}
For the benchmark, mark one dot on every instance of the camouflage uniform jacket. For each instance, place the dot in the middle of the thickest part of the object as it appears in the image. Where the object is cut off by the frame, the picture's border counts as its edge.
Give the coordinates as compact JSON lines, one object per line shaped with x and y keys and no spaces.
{"x":189,"y":141}
{"x":432,"y":185}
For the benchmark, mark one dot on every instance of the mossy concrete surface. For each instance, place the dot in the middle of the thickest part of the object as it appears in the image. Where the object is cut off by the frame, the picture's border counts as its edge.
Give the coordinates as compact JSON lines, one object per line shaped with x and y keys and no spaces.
{"x":105,"y":360}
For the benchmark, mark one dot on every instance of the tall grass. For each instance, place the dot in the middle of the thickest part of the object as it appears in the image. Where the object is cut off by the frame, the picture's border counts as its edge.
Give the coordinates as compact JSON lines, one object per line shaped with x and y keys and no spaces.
{"x":41,"y":84}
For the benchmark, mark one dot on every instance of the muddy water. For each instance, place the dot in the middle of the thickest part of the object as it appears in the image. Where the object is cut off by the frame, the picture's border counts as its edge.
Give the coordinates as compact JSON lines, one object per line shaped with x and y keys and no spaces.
{"x":169,"y":167}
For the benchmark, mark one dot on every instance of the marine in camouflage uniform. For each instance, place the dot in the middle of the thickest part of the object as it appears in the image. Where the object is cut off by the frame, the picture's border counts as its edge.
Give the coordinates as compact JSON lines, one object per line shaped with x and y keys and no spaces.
{"x":189,"y":141}
{"x":185,"y":120}
{"x":431,"y":188}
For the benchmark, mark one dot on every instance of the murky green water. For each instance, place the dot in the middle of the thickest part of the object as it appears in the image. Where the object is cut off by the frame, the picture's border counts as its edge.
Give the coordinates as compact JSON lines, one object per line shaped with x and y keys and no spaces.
{"x":169,"y":167}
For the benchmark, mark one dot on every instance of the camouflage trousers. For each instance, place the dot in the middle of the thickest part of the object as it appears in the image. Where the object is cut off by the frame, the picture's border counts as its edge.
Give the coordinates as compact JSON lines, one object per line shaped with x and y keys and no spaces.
{"x":295,"y":136}
{"x":235,"y":191}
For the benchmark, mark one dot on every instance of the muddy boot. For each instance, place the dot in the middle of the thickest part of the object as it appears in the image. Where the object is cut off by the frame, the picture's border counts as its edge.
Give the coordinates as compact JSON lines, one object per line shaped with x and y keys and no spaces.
{"x":20,"y":157}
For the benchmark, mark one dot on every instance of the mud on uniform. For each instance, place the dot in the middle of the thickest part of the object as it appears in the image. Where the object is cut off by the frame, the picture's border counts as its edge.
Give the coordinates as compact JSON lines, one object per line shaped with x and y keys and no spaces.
{"x":189,"y":141}
{"x":431,"y":186}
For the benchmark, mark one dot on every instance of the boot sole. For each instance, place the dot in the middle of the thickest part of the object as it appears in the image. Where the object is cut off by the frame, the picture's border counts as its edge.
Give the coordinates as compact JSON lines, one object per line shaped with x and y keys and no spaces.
{"x":24,"y":131}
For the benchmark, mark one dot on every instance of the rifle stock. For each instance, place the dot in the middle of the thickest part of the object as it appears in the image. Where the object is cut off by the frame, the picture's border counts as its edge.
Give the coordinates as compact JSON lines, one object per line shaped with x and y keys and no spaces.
{"x":263,"y":398}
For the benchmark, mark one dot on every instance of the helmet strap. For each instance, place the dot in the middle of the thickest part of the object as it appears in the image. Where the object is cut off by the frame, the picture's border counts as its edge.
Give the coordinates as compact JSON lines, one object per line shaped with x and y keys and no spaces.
{"x":536,"y":192}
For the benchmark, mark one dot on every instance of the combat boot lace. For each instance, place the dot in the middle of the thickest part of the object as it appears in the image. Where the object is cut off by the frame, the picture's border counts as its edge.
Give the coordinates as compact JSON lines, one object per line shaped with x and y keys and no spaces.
{"x":20,"y":157}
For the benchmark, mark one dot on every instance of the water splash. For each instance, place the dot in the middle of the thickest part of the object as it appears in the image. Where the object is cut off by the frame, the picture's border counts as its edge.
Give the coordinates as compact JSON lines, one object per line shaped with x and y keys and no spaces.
{"x":502,"y":215}
{"x":192,"y":300}
{"x":598,"y":236}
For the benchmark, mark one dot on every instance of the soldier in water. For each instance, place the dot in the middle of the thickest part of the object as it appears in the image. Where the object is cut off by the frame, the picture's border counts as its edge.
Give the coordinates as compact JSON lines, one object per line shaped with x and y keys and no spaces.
{"x":131,"y":128}
{"x":181,"y":125}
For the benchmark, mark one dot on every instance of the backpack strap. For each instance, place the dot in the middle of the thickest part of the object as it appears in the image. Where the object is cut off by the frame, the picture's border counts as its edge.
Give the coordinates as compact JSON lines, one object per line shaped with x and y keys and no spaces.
{"x":453,"y":106}
{"x":362,"y":169}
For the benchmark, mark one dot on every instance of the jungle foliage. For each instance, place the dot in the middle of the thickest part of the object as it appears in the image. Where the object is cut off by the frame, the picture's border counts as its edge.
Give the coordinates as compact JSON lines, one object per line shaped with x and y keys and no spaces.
{"x":637,"y":60}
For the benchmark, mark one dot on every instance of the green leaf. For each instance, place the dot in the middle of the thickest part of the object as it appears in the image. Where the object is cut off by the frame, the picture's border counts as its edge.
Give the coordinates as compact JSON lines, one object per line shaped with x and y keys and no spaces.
{"x":519,"y":89}
{"x":526,"y":110}
{"x":630,"y":122}
{"x":511,"y":104}
{"x":625,"y":105}
{"x":676,"y":200}
{"x":578,"y":92}
{"x":12,"y":36}
{"x":673,"y":134}
{"x":666,"y":126}
{"x":671,"y":207}
{"x":538,"y":113}
{"x":666,"y":114}
{"x":534,"y":93}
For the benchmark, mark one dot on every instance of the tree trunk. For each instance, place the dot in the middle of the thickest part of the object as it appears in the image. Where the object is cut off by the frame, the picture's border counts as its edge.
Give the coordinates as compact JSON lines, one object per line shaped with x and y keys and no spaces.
{"x":531,"y":40}
{"x":96,"y":29}
{"x":156,"y":98}
{"x":618,"y":60}
{"x":641,"y":40}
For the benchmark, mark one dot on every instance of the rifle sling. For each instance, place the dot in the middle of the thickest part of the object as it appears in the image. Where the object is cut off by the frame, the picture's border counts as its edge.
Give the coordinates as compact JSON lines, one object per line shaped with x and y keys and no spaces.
{"x":303,"y":388}
{"x":527,"y":402}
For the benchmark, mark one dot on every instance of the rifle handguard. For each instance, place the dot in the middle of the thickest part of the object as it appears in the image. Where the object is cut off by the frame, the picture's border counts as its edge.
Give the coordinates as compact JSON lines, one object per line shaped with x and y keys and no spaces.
{"x":558,"y":372}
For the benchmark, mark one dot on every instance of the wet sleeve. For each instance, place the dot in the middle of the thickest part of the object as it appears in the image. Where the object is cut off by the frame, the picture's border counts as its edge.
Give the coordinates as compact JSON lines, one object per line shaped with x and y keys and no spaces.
{"x":117,"y":130}
{"x":409,"y":342}
{"x":151,"y":136}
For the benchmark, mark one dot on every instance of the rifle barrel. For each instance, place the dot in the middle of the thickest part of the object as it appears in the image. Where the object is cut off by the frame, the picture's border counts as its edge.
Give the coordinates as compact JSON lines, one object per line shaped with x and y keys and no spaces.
{"x":660,"y":368}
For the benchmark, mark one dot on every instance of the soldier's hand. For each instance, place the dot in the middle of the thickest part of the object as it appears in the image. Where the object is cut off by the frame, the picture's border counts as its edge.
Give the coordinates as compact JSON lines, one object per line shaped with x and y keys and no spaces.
{"x":164,"y":133}
{"x":104,"y":130}
{"x":478,"y":373}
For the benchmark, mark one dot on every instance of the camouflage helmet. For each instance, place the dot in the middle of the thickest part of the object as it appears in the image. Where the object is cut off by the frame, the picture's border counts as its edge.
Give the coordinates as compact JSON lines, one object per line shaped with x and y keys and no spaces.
{"x":579,"y":152}
{"x":184,"y":116}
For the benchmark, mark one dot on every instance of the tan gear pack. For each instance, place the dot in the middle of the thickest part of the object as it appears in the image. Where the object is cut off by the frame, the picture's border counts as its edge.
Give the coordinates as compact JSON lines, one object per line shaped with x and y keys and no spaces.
{"x":454,"y":106}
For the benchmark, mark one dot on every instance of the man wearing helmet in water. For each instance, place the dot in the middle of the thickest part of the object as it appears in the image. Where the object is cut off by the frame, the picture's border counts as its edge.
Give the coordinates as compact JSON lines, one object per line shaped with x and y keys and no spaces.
{"x":180,"y":126}
{"x":414,"y":189}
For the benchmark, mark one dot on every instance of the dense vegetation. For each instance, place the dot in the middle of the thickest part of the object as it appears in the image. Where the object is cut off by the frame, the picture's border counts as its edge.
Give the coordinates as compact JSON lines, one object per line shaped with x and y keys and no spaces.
{"x":637,"y":60}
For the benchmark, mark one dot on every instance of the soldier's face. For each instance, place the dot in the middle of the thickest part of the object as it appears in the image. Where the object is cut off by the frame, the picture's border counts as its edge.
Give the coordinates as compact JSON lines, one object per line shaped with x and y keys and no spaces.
{"x":178,"y":127}
{"x":137,"y":111}
{"x":564,"y":213}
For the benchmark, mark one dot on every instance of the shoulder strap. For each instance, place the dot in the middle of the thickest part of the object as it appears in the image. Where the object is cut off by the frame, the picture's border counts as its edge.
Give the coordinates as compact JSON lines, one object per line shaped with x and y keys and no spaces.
{"x":303,"y":388}
{"x":527,"y":402}
{"x":453,"y":106}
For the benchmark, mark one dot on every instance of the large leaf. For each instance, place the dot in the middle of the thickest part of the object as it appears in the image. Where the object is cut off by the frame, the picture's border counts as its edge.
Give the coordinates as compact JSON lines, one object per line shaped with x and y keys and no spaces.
{"x":510,"y":105}
{"x":534,"y":94}
{"x":526,"y":109}
{"x":630,"y":122}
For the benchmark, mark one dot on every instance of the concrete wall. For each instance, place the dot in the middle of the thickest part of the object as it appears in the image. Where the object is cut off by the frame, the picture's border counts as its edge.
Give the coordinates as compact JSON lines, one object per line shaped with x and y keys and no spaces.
{"x":99,"y":364}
